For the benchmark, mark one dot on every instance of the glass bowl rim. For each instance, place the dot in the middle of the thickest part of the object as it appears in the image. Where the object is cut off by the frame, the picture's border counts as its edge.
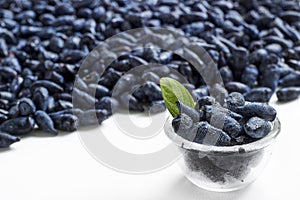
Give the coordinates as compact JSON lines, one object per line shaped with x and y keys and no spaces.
{"x":250,"y":147}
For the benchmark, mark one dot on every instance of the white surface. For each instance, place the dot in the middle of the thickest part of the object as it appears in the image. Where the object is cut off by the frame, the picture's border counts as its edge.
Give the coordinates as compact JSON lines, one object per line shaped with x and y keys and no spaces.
{"x":42,"y":168}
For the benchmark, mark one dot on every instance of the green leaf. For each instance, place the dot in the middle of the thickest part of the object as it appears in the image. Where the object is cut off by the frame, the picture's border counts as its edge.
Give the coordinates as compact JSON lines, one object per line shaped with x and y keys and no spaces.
{"x":172,"y":91}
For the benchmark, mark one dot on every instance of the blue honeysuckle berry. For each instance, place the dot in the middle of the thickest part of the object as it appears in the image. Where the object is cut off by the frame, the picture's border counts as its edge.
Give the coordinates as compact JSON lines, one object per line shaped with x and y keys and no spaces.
{"x":288,"y":94}
{"x":261,"y":110}
{"x":260,"y":94}
{"x":237,"y":87}
{"x":44,"y":122}
{"x":65,"y":122}
{"x":257,"y":127}
{"x":18,"y":125}
{"x":234,"y":100}
{"x":208,"y":133}
{"x":6,"y":139}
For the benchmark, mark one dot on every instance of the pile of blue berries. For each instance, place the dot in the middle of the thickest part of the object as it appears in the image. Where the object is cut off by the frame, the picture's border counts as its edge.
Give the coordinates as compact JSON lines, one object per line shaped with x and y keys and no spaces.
{"x":242,"y":122}
{"x":42,"y":43}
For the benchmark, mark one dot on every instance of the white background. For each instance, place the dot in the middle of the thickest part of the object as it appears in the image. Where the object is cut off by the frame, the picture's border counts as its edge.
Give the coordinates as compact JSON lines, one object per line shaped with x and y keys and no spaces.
{"x":41,"y":168}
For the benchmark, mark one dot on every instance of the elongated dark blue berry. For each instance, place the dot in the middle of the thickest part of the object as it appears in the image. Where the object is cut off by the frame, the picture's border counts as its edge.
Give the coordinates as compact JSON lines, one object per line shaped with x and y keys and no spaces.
{"x":210,"y":135}
{"x":65,"y":122}
{"x":290,"y":80}
{"x":237,"y":87}
{"x":261,"y":94}
{"x":288,"y":94}
{"x":6,"y":139}
{"x":234,"y":100}
{"x":40,"y":98}
{"x":44,"y":122}
{"x":257,"y":127}
{"x":18,"y":126}
{"x":261,"y":110}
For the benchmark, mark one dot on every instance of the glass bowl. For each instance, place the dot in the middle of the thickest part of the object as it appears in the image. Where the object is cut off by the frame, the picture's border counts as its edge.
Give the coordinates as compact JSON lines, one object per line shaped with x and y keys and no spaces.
{"x":223,"y":169}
